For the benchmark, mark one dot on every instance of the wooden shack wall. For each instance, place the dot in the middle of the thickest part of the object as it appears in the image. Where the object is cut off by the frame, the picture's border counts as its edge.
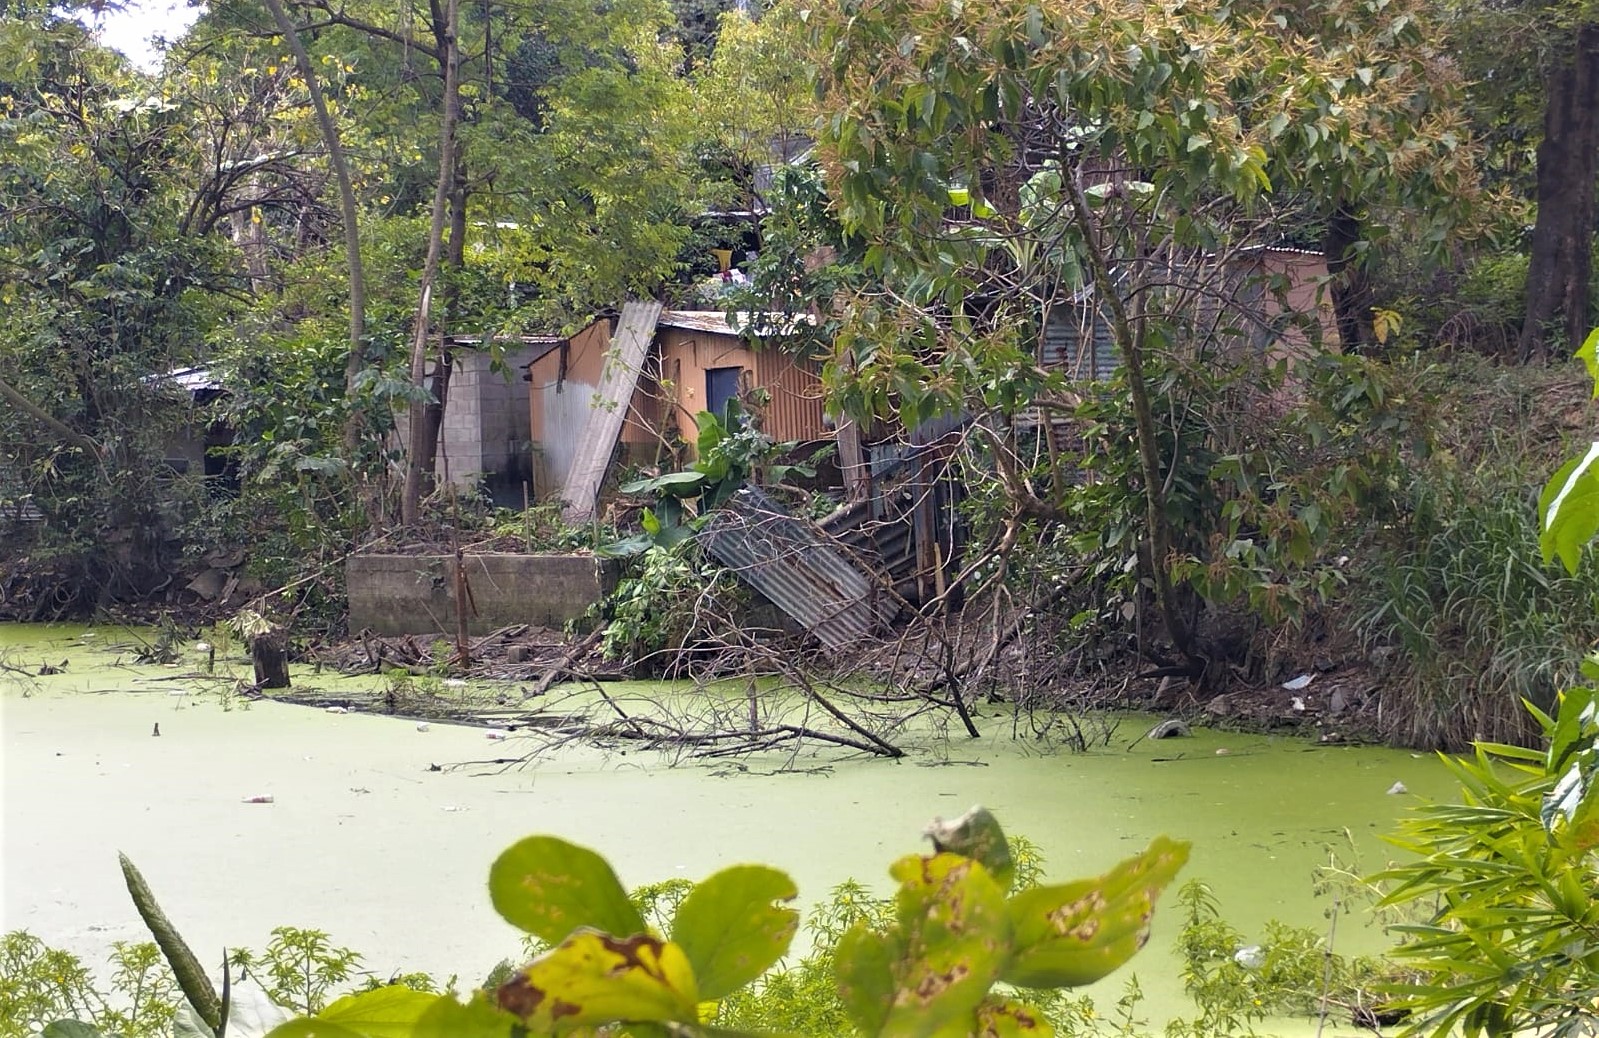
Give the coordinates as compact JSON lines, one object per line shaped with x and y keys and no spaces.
{"x":795,"y":385}
{"x":1307,"y":292}
{"x":560,"y":403}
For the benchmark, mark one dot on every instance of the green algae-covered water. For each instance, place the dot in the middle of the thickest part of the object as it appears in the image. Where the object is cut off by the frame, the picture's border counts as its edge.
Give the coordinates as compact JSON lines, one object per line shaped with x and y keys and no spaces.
{"x":363,"y":839}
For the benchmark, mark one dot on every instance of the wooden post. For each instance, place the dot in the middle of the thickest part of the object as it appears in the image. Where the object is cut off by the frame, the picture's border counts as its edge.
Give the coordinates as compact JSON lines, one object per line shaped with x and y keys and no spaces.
{"x":270,"y":654}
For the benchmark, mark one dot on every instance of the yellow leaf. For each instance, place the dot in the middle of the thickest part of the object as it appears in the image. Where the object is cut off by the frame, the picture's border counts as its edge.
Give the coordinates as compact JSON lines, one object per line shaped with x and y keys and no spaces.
{"x":592,"y":978}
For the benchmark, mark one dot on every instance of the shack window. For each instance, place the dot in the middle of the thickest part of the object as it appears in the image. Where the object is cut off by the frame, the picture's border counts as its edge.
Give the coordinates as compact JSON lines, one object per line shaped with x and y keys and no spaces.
{"x":721,"y":385}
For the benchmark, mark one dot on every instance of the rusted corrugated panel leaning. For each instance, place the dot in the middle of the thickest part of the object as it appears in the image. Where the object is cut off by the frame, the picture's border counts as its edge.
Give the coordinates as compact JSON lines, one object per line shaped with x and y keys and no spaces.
{"x":790,"y":563}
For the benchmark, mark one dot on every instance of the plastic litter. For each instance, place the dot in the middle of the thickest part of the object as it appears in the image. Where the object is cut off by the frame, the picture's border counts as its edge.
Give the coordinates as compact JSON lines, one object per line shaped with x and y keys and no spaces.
{"x":338,"y":710}
{"x":1302,"y":681}
{"x":423,"y":726}
{"x":1397,"y":788}
{"x":495,"y":733}
{"x":265,"y":798}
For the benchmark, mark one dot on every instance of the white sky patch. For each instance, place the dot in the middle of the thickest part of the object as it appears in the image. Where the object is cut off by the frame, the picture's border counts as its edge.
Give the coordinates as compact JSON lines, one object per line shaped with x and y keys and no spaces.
{"x":134,"y":29}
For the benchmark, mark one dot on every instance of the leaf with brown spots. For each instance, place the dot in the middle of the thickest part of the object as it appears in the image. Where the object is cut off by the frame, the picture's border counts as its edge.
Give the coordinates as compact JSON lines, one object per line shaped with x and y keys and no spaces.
{"x":1007,"y":1018}
{"x":1073,"y":934}
{"x":594,"y":978}
{"x":549,"y":888}
{"x":944,"y":952}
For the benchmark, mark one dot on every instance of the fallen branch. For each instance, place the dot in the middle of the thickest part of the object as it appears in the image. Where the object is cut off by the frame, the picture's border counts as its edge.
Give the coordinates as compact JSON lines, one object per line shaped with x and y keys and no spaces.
{"x":564,"y":664}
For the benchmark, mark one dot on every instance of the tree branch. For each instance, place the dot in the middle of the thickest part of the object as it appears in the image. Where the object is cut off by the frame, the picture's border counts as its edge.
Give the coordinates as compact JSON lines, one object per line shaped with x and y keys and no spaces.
{"x":65,"y":432}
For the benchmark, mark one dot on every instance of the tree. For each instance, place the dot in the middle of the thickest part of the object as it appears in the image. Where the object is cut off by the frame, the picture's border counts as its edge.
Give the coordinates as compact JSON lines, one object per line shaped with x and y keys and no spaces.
{"x":1561,"y":265}
{"x":105,"y":248}
{"x":1119,"y":153}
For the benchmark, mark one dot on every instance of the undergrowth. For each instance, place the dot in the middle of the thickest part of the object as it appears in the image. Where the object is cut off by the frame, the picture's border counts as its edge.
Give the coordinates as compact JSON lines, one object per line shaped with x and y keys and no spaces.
{"x":1447,"y":592}
{"x":1470,"y":621}
{"x":1236,"y":985}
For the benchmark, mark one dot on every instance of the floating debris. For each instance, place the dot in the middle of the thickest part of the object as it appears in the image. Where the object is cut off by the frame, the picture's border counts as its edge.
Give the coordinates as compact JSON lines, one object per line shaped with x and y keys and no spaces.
{"x":1170,"y":729}
{"x":338,"y":709}
{"x":423,"y":726}
{"x":265,"y":798}
{"x":1397,"y":788}
{"x":1302,"y":681}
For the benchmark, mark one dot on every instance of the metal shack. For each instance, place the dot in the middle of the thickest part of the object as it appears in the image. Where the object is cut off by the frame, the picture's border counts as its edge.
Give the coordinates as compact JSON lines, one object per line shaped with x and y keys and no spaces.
{"x":694,"y":361}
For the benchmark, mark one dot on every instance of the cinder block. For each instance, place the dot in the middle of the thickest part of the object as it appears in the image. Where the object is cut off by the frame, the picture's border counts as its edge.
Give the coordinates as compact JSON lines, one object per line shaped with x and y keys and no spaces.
{"x":405,"y":594}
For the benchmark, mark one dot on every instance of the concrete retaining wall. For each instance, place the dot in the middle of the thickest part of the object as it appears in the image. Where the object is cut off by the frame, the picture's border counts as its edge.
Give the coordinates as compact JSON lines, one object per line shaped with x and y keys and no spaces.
{"x":414,"y":594}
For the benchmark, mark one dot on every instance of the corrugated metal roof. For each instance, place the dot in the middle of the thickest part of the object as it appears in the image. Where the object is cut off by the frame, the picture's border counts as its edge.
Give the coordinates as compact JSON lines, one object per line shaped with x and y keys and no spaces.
{"x":1287,"y":250}
{"x":509,"y":340}
{"x":715,"y":321}
{"x":194,"y":379}
{"x":789,"y":561}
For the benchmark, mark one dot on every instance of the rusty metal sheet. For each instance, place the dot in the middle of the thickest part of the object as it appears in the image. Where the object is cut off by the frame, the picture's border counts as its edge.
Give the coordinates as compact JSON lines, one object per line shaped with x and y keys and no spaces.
{"x":791,"y":563}
{"x":634,"y":334}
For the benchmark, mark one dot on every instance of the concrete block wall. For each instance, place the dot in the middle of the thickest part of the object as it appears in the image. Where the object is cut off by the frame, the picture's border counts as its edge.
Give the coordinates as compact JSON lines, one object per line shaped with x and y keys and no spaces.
{"x":415,"y":594}
{"x":486,"y":425}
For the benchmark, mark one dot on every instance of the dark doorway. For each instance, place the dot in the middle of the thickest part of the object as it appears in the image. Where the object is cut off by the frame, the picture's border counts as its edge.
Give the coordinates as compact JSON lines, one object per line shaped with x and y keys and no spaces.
{"x":721,"y":385}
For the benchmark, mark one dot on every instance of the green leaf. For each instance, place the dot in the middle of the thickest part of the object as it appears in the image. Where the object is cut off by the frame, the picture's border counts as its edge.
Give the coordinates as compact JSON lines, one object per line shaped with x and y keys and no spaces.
{"x":864,"y":967}
{"x":730,"y":929}
{"x":447,"y":1018}
{"x":310,"y":1027}
{"x":676,"y":484}
{"x":593,"y":978}
{"x":1588,"y":353}
{"x":71,"y":1029}
{"x":189,"y":1024}
{"x":711,"y":432}
{"x":1007,"y":1018}
{"x":387,"y":1012}
{"x":549,"y":888}
{"x":1569,"y":508}
{"x":976,"y":835}
{"x":949,"y":942}
{"x":1073,"y":934}
{"x":190,"y":975}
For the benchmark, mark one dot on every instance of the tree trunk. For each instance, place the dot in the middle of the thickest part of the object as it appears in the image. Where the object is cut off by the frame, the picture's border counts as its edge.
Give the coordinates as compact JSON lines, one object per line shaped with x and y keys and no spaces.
{"x":1130,"y":341}
{"x":1562,"y":238}
{"x":347,"y":211}
{"x":444,"y":366}
{"x":271,"y":659}
{"x":415,"y":475}
{"x":1351,"y":287}
{"x":433,"y":418}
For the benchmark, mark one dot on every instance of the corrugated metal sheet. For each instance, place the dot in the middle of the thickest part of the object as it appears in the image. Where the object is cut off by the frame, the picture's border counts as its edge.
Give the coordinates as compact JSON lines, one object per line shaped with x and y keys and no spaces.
{"x":697,"y":321}
{"x":795,"y":386}
{"x":1067,"y":336}
{"x":790,"y":562}
{"x":634,"y":333}
{"x":192,"y":379}
{"x":716,"y":321}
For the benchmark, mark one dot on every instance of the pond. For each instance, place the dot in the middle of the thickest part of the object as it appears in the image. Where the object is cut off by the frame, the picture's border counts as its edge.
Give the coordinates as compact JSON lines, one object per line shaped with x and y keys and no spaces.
{"x":363,"y":839}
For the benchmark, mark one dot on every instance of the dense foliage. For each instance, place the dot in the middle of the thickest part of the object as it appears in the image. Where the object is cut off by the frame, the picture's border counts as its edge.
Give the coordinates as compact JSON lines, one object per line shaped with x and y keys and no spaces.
{"x":329,"y":210}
